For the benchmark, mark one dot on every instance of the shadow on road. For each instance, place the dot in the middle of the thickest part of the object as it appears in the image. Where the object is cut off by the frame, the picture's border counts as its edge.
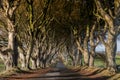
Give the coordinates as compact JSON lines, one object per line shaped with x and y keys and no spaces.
{"x":68,"y":74}
{"x":60,"y":72}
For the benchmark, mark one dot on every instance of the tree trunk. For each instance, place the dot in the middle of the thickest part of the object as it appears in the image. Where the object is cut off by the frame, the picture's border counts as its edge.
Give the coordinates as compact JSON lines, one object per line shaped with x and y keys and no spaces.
{"x":6,"y":58}
{"x":111,"y":52}
{"x":38,"y":62}
{"x":86,"y":58}
{"x":29,"y":53}
{"x":113,"y":30}
{"x":11,"y":61}
{"x":38,"y":57}
{"x":22,"y":58}
{"x":91,"y":61}
{"x":93,"y":43}
{"x":6,"y":16}
{"x":34,"y":63}
{"x":79,"y":59}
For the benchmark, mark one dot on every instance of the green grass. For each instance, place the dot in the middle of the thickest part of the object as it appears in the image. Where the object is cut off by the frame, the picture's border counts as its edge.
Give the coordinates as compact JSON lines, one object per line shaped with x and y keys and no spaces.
{"x":118,"y":59}
{"x":99,"y":62}
{"x":2,"y":67}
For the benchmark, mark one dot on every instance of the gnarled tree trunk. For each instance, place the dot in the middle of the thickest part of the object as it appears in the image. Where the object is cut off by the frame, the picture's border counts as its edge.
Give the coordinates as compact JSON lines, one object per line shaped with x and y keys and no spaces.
{"x":113,"y":31}
{"x":29,"y":53}
{"x":6,"y":16}
{"x":110,"y":49}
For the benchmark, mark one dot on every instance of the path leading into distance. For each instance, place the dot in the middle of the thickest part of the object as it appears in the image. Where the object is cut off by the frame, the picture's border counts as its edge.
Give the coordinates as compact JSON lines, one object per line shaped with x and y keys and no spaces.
{"x":59,"y":72}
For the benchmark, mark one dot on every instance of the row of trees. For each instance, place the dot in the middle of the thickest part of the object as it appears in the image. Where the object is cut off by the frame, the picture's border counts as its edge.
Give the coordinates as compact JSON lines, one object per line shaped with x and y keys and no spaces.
{"x":34,"y":33}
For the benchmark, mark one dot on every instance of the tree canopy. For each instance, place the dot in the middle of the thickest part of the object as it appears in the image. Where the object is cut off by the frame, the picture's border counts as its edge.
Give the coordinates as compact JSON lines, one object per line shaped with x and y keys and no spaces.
{"x":37,"y":32}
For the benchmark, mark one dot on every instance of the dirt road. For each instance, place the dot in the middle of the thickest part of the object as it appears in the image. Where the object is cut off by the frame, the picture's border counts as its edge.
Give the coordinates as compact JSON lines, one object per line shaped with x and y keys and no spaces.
{"x":58,"y":74}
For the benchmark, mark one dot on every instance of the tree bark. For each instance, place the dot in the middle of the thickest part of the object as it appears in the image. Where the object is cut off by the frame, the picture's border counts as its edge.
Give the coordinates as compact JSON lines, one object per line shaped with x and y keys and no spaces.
{"x":34,"y":63}
{"x":78,"y":59}
{"x":12,"y":45}
{"x":91,"y":61}
{"x":110,"y":44}
{"x":6,"y":58}
{"x":84,"y":52}
{"x":22,"y":59}
{"x":93,"y":43}
{"x":86,"y":58}
{"x":6,"y":16}
{"x":111,"y":52}
{"x":29,"y":53}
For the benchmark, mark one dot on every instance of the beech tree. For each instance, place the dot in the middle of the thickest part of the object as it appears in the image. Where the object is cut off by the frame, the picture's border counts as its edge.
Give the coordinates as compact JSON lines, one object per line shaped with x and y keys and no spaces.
{"x":38,"y":30}
{"x":109,"y":12}
{"x":7,"y":9}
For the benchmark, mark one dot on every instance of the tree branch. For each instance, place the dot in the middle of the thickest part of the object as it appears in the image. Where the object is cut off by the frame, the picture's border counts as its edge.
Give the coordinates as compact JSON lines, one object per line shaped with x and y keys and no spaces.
{"x":14,"y":7}
{"x":102,"y":39}
{"x":102,"y":12}
{"x":78,"y":44}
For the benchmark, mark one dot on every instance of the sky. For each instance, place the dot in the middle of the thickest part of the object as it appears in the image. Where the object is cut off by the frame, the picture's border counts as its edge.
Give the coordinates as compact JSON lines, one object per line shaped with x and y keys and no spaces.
{"x":101,"y":47}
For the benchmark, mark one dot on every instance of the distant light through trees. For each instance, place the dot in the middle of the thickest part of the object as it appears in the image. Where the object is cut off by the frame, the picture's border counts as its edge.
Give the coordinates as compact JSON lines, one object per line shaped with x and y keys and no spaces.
{"x":101,"y":47}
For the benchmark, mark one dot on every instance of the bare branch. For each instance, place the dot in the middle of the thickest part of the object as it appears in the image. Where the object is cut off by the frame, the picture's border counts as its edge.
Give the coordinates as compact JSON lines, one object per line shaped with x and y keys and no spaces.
{"x":102,"y":39}
{"x":79,"y":46}
{"x":14,"y":7}
{"x":5,"y":6}
{"x":105,"y":16}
